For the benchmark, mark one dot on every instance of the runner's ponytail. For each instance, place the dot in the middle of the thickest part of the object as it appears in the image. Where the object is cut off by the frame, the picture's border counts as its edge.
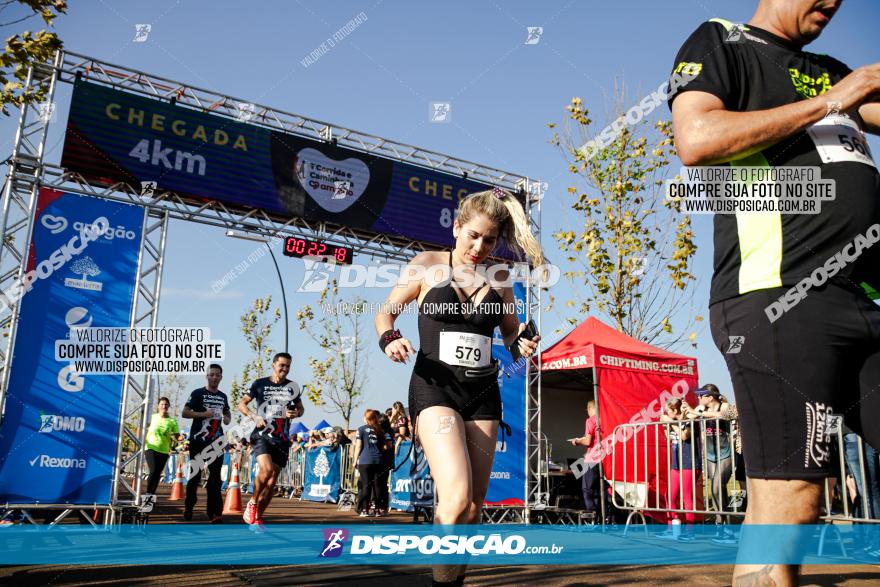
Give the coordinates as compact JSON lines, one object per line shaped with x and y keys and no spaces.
{"x":501,"y":207}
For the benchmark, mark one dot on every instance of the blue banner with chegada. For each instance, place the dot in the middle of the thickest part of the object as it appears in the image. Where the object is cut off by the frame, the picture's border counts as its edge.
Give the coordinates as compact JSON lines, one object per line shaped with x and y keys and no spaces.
{"x":114,"y":135}
{"x":60,"y":431}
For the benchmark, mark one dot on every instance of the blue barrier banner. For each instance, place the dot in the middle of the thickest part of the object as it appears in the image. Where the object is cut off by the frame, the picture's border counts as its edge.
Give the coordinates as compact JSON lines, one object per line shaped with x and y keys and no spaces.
{"x":421,"y":482}
{"x":411,"y":484}
{"x":170,"y":468}
{"x":59,"y":433}
{"x":400,"y":479}
{"x":121,"y":136}
{"x":411,"y":544}
{"x":322,"y":475}
{"x":507,"y":479}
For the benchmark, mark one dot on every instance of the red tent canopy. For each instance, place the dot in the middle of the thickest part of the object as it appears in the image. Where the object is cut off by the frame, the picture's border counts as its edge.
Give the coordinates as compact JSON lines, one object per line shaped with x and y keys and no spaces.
{"x":577,"y":349}
{"x":633,"y":379}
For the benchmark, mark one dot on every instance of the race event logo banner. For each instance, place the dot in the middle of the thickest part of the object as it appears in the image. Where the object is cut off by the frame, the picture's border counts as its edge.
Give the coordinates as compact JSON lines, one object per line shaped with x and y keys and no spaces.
{"x":321,"y":475}
{"x":59,"y":434}
{"x":119,"y":136}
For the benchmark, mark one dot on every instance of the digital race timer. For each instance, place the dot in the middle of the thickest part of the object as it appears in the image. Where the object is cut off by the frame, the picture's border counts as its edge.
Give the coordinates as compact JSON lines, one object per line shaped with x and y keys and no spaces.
{"x":304,"y":247}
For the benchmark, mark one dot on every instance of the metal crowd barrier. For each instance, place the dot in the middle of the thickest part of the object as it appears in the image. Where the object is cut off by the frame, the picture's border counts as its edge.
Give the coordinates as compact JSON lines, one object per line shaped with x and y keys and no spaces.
{"x":635,"y":474}
{"x":348,"y":480}
{"x":292,"y":476}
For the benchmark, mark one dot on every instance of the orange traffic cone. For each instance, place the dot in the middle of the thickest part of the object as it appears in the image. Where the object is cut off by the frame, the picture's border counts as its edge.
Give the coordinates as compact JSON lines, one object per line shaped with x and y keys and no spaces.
{"x":233,"y":493}
{"x":177,"y":484}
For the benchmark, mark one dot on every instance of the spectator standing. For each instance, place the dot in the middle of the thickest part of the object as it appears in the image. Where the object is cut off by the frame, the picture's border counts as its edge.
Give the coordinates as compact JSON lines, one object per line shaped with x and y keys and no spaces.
{"x":685,"y":457}
{"x":162,"y":433}
{"x":368,"y":450}
{"x":589,"y":480}
{"x":714,"y":410}
{"x":209,"y":409}
{"x":384,"y":496}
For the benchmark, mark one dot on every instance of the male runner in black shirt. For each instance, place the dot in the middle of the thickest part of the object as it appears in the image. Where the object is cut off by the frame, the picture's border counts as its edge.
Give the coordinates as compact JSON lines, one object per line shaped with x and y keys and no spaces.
{"x":278,"y":401}
{"x":207,"y":406}
{"x":797,"y":287}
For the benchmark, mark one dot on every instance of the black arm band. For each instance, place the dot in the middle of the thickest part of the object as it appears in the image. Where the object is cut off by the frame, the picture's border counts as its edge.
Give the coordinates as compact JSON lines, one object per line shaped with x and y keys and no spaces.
{"x":388,"y":337}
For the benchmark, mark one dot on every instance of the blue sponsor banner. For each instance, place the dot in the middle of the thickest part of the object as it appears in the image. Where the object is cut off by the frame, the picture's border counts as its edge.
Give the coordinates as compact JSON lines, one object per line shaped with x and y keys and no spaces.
{"x":411,"y":544}
{"x":321,"y":475}
{"x":411,"y":483}
{"x":400,"y":479}
{"x":421,"y":482}
{"x":170,"y":468}
{"x":120,"y":136}
{"x":507,"y":480}
{"x":59,"y":432}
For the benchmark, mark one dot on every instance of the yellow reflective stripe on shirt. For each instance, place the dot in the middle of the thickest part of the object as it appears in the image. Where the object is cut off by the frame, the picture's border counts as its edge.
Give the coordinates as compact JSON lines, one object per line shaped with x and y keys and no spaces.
{"x":760,"y":241}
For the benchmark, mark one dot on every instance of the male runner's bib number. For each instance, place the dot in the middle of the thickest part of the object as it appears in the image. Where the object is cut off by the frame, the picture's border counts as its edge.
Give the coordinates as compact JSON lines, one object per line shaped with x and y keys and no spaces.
{"x":838,"y":138}
{"x":463,"y":349}
{"x":276,"y":411}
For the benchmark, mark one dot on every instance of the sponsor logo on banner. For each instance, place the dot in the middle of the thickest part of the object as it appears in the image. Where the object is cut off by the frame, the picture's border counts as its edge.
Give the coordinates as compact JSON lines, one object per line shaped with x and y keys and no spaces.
{"x":320,"y":469}
{"x":334,"y":185}
{"x":55,"y":224}
{"x":53,"y":423}
{"x":58,"y":224}
{"x":333,"y":542}
{"x":47,"y":462}
{"x":109,"y":233}
{"x":70,"y":380}
{"x":86,"y":267}
{"x":78,"y":317}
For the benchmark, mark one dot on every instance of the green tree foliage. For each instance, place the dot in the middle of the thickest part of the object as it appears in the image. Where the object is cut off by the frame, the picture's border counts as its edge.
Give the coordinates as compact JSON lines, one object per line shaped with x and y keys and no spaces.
{"x":256,"y":326}
{"x":629,"y":246}
{"x":174,"y":386}
{"x":339,"y":379}
{"x":26,"y":49}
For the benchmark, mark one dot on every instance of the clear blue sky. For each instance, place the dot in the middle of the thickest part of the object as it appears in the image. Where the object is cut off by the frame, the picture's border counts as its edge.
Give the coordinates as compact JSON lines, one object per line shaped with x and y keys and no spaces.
{"x":380,"y":80}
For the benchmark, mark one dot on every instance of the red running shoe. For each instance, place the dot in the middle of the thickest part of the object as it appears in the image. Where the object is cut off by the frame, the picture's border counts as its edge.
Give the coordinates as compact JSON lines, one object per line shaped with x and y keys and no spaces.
{"x":250,"y":513}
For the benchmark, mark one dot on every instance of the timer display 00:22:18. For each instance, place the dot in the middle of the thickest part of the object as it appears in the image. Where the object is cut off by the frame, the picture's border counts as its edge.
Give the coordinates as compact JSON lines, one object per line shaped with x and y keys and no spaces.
{"x":300,"y":247}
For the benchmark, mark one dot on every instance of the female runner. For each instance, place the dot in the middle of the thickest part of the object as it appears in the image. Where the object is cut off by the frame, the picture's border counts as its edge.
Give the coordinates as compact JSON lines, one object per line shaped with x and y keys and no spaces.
{"x":454,"y":398}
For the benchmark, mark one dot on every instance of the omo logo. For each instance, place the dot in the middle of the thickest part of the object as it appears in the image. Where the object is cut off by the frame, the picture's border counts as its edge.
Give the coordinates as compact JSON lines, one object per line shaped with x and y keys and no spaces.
{"x":53,"y":423}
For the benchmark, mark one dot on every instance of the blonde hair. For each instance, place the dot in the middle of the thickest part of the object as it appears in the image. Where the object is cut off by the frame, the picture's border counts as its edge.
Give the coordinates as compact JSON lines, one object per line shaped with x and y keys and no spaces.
{"x":397,"y":412}
{"x":500,"y":207}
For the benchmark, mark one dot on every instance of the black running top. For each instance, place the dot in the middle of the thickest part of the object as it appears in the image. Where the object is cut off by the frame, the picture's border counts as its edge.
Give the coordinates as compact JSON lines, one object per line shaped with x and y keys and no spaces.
{"x":443,"y":309}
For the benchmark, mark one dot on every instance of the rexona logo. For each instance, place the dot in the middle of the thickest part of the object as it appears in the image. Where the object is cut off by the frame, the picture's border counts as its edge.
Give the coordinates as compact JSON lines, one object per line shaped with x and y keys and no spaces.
{"x":52,"y":423}
{"x":47,"y":462}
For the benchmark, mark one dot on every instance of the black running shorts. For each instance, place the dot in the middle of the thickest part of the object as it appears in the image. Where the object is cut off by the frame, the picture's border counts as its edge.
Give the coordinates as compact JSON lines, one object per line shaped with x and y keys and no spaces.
{"x":820,"y":357}
{"x":279,"y":451}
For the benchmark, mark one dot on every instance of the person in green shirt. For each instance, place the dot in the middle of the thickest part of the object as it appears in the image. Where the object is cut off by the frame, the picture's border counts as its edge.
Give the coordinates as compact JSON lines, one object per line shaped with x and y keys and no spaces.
{"x":162,"y":433}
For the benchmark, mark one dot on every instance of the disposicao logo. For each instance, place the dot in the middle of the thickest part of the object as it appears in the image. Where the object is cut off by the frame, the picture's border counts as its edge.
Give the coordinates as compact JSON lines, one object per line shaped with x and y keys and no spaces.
{"x":333,"y":542}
